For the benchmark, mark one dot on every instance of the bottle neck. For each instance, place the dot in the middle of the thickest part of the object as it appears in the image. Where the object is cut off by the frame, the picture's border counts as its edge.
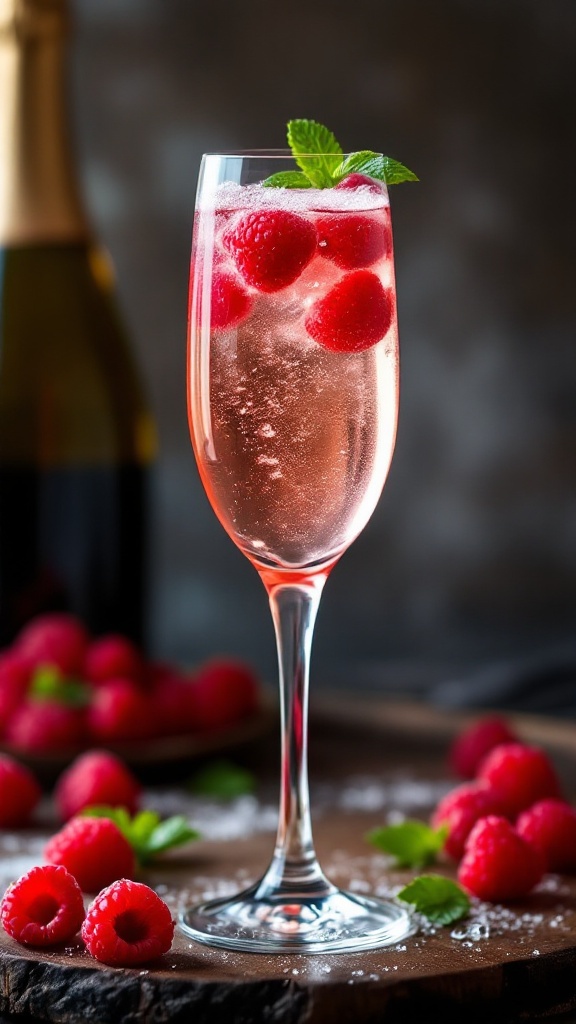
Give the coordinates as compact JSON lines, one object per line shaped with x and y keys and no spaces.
{"x":39,"y":194}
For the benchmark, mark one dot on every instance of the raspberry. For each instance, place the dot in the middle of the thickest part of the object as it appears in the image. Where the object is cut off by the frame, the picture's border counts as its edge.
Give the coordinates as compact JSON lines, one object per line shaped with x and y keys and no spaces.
{"x":96,"y":778}
{"x":14,"y":679}
{"x":56,"y":639}
{"x":173,"y":700}
{"x":460,"y":809}
{"x":111,"y":657}
{"x":270,"y":247}
{"x":353,"y":240}
{"x":355,"y":314}
{"x":127,"y":924}
{"x":43,"y":907}
{"x":120,"y":711}
{"x":93,"y":850}
{"x":358,"y":180}
{"x":19,"y":792}
{"x":520,"y":774}
{"x":46,"y":725}
{"x":550,"y":826}
{"x":224,"y":692}
{"x":498,"y":864}
{"x":230,"y":302}
{"x":471,"y":746}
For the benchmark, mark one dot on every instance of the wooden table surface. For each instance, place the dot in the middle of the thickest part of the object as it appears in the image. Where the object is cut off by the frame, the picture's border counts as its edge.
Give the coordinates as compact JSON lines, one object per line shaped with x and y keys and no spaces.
{"x":505,"y":963}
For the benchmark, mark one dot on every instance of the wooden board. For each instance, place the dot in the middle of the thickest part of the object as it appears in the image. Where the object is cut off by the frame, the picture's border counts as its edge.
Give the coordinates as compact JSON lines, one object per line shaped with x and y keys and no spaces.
{"x":364,"y":763}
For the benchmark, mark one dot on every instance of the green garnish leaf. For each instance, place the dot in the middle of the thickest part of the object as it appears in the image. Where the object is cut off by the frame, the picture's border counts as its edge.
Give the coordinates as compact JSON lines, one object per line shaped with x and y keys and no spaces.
{"x":322,"y":163}
{"x":440,"y":899}
{"x":375,"y":166}
{"x":288,"y":179}
{"x":413,"y":843}
{"x":222,"y":779}
{"x":49,"y":684}
{"x":147,"y":834}
{"x":315,"y":150}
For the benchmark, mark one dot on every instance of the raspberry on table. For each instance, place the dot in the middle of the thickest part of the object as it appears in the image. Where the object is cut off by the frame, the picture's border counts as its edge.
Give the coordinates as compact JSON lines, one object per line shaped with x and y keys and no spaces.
{"x":353,"y":240}
{"x":224,"y":691}
{"x":470,"y":748}
{"x":173,"y":701}
{"x":498,"y":864}
{"x":230,"y":302}
{"x":520,"y":774}
{"x":56,"y":639}
{"x":96,"y":778}
{"x":111,"y":657}
{"x":19,"y":792}
{"x":93,"y":850}
{"x":128,"y":924}
{"x":119,"y":711}
{"x":44,"y":907}
{"x":46,"y":725}
{"x":15,"y":673}
{"x":550,"y":826}
{"x":459,"y":811}
{"x":270,"y":247}
{"x":354,"y":315}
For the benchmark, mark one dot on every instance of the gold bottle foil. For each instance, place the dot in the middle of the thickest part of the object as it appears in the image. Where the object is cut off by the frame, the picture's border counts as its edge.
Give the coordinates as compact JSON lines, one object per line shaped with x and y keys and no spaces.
{"x":39,"y":198}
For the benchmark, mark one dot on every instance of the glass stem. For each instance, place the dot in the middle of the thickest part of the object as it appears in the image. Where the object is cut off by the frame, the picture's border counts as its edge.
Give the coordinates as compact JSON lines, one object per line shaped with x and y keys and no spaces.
{"x":294,"y":866}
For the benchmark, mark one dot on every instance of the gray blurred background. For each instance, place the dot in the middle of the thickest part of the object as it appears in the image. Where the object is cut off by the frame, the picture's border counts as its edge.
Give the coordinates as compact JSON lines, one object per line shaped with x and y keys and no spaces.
{"x":470,"y":557}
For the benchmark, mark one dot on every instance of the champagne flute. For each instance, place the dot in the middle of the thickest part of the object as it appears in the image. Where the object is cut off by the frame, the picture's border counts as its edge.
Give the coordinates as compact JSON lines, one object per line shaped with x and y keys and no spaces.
{"x":293,"y":398}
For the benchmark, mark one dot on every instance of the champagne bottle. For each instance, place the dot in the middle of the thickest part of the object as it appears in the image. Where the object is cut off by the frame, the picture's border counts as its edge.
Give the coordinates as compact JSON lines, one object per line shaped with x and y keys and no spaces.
{"x":76,"y":434}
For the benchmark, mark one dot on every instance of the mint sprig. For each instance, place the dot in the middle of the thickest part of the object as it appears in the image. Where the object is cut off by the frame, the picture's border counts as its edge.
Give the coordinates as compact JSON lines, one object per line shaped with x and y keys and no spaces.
{"x":147,"y":834}
{"x":322,"y":162}
{"x":49,"y":684}
{"x":413,"y":843}
{"x":438,"y":898}
{"x":223,"y":780}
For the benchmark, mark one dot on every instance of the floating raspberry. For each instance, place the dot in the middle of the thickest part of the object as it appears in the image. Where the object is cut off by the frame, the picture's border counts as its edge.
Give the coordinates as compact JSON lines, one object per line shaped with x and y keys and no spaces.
{"x":113,"y":657}
{"x":46,"y":725}
{"x":224,"y":692}
{"x":127,"y":924}
{"x":498,"y":864}
{"x":460,"y":809}
{"x":14,"y":680}
{"x":360,"y":181}
{"x":93,"y":850}
{"x":56,"y":639}
{"x":470,"y":748}
{"x":353,"y":240}
{"x":355,"y":314}
{"x":230,"y":302}
{"x":43,"y":907}
{"x":120,"y":711}
{"x":96,"y":778}
{"x":19,"y":792}
{"x":550,"y":826}
{"x":270,"y":247}
{"x":520,"y":774}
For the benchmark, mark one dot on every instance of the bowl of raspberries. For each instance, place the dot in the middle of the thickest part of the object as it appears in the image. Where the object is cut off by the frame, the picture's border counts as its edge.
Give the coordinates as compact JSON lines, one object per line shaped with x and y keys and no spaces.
{"x":63,"y":690}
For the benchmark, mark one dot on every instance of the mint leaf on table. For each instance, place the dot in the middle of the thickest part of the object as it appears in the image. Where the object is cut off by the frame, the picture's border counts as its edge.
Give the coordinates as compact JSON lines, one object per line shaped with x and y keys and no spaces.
{"x":147,"y":834}
{"x":412,"y":842}
{"x":223,"y":780}
{"x":439,"y":899}
{"x":322,"y":162}
{"x":49,"y":684}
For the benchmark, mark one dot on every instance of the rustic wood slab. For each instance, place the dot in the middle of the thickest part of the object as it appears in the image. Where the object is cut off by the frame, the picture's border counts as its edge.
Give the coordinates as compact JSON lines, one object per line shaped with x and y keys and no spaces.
{"x":361,"y":768}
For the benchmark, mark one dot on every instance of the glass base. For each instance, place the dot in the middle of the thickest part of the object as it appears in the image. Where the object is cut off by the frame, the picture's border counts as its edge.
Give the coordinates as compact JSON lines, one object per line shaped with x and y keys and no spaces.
{"x":337,"y":922}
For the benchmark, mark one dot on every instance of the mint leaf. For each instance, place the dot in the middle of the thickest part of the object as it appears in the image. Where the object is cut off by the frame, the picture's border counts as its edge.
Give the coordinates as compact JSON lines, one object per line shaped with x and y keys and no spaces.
{"x":288,"y":179}
{"x":375,"y":166}
{"x":413,"y":843}
{"x":223,"y":780}
{"x":439,"y":899}
{"x":49,"y":684}
{"x":315,"y":150}
{"x":147,"y":835}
